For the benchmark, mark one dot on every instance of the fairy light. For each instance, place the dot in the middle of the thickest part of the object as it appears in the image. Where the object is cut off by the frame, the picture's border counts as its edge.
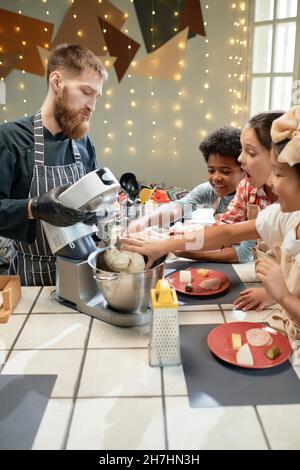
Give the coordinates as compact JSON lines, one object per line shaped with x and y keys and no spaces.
{"x":178,"y":123}
{"x":238,"y":46}
{"x":151,"y":84}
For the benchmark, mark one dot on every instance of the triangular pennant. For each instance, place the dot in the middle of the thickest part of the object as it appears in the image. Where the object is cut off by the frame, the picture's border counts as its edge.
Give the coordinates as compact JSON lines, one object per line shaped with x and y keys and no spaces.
{"x":120,"y":46}
{"x":44,"y":55}
{"x":164,"y":63}
{"x":107,"y":60}
{"x":80,"y":25}
{"x":192,"y":17}
{"x":19,"y":37}
{"x":159,"y":28}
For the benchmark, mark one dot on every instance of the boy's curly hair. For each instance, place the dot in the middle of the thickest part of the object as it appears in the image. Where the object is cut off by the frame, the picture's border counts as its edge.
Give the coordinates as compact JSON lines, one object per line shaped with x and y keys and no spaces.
{"x":224,"y":141}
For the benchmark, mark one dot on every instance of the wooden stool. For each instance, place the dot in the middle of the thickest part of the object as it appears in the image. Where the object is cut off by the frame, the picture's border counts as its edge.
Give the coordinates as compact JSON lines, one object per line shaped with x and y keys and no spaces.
{"x":11,"y":291}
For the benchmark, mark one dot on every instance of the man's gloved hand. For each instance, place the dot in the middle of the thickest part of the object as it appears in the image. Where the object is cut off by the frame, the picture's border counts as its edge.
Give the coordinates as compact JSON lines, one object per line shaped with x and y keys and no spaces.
{"x":49,"y":208}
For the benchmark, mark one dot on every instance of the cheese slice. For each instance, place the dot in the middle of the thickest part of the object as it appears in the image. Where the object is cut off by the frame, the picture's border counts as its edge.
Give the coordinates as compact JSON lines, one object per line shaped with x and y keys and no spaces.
{"x":244,"y":356}
{"x":203,"y":272}
{"x":236,"y":340}
{"x":185,"y":276}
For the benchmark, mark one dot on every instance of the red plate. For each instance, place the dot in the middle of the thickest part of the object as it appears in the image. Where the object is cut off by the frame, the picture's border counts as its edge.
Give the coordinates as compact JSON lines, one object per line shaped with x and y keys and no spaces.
{"x":174,"y":280}
{"x":219,"y":342}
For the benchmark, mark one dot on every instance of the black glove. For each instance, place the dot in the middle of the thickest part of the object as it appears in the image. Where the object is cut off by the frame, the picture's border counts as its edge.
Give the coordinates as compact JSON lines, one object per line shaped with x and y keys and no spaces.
{"x":49,"y":208}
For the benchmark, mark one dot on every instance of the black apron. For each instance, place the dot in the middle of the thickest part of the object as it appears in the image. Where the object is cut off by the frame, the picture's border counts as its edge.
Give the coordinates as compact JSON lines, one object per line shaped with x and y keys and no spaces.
{"x":35,"y":262}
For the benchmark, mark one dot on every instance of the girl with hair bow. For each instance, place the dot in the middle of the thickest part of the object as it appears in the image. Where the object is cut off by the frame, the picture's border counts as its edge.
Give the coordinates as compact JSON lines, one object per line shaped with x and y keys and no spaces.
{"x":278,"y":225}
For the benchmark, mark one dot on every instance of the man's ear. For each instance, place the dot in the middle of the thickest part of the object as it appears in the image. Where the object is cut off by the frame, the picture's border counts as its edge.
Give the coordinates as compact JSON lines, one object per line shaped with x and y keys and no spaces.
{"x":55,"y":80}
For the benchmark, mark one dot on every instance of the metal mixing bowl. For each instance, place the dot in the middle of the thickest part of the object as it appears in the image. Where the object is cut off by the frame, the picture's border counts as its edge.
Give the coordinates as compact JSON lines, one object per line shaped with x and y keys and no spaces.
{"x":125,"y":292}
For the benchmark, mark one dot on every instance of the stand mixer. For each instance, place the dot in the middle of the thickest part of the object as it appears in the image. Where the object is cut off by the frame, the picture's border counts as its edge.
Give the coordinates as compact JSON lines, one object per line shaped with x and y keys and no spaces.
{"x":80,"y":283}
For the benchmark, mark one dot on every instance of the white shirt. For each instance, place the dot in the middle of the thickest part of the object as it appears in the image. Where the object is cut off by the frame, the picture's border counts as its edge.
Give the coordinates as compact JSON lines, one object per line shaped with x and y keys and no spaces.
{"x":276,"y":227}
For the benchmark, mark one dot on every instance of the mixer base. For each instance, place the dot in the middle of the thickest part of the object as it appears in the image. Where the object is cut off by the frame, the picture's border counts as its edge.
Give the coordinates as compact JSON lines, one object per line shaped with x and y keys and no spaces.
{"x":77,"y":289}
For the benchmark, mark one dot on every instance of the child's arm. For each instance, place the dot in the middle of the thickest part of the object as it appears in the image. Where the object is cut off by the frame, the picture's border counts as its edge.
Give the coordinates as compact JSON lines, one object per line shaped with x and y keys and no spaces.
{"x":209,"y":238}
{"x":226,"y":255}
{"x":254,"y":298}
{"x":270,"y":274}
{"x":168,"y":213}
{"x":164,"y":215}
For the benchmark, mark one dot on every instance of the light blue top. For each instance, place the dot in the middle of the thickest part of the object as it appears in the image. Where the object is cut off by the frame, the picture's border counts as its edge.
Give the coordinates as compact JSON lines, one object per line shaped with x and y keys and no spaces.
{"x":204,"y":195}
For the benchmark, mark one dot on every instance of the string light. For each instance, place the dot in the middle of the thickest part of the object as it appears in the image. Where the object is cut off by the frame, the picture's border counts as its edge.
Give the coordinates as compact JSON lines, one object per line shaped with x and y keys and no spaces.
{"x":237,"y":77}
{"x":236,"y":80}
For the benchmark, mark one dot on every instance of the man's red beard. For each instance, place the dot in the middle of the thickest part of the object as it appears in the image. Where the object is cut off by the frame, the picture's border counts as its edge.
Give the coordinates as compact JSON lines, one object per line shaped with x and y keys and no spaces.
{"x":71,"y":122}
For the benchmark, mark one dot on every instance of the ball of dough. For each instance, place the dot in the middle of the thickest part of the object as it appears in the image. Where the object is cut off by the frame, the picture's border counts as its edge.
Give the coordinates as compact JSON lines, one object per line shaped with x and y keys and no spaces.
{"x":122,"y":261}
{"x":137,"y":263}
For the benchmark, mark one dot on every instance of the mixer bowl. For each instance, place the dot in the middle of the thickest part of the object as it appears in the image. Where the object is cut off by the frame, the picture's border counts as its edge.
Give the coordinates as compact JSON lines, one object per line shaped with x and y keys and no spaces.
{"x":125,"y":292}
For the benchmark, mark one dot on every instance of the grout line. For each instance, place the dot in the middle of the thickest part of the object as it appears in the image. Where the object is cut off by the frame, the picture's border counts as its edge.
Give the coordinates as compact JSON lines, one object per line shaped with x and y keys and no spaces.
{"x":76,"y":387}
{"x":223,"y":315}
{"x":80,"y":349}
{"x":108,"y":397}
{"x":262,"y":428}
{"x":164,"y":406}
{"x":21,"y":329}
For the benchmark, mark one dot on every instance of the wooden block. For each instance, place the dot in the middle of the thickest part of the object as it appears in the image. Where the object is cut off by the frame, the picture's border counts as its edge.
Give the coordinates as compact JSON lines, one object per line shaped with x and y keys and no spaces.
{"x":11,"y":291}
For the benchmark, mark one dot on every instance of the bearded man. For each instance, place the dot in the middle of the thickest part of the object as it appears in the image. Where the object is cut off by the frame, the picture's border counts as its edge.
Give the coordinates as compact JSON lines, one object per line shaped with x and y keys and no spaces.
{"x":41,"y":155}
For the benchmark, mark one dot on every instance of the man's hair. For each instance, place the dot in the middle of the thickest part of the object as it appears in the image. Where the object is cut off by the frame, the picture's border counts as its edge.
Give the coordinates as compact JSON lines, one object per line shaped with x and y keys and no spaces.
{"x":75,"y":59}
{"x":262,"y":123}
{"x":225,"y":141}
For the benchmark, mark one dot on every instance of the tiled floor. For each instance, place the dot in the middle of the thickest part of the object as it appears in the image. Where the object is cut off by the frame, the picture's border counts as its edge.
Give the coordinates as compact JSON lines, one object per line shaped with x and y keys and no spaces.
{"x":107,"y":397}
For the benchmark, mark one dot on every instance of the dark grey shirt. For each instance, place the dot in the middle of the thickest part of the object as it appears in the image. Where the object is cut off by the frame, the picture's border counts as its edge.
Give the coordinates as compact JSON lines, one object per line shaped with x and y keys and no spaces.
{"x":16,"y":170}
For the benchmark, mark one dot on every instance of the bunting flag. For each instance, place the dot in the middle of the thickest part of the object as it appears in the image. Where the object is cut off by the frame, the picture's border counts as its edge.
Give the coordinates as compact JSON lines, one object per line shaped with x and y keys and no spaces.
{"x":20,"y":37}
{"x":25,"y":42}
{"x":80,"y":25}
{"x":120,"y":46}
{"x":107,"y":60}
{"x":44,"y":55}
{"x":170,"y":18}
{"x":165,"y":62}
{"x":192,"y":18}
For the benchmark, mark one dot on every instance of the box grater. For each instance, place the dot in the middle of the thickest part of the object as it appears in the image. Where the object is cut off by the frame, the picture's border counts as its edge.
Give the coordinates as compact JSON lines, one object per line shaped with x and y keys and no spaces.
{"x":164,"y":346}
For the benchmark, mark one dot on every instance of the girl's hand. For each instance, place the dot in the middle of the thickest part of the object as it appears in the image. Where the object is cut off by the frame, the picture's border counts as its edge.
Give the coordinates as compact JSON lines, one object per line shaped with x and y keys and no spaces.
{"x":256,"y":298}
{"x":270,"y":274}
{"x":153,"y":249}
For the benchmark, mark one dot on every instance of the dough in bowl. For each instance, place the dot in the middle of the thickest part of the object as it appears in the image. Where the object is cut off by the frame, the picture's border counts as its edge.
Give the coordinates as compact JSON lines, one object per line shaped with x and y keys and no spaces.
{"x":122,"y":261}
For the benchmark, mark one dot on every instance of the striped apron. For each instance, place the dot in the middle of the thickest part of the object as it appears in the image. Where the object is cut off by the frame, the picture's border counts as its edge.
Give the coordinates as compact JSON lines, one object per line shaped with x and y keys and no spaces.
{"x":35,"y":263}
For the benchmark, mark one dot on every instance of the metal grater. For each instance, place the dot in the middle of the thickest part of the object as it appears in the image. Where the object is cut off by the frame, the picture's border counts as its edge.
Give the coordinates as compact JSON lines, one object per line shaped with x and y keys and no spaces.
{"x":164,"y":346}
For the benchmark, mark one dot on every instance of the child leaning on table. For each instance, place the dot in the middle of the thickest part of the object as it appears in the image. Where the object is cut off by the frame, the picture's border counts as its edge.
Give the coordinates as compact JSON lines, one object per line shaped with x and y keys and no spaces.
{"x":282,"y":279}
{"x":278,"y":225}
{"x":221,"y":150}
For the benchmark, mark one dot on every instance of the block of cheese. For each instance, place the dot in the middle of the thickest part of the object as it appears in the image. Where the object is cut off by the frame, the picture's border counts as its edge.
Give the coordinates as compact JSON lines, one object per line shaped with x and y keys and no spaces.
{"x":185,"y":276}
{"x":244,"y":356}
{"x":236,"y":340}
{"x":203,"y":272}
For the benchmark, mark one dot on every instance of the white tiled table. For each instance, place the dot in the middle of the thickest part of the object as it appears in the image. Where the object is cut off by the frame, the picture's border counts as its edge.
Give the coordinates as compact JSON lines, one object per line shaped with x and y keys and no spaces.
{"x":106,"y":395}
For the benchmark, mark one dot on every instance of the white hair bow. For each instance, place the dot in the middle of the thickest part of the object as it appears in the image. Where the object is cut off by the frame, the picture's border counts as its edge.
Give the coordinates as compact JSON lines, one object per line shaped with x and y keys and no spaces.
{"x":288,"y":127}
